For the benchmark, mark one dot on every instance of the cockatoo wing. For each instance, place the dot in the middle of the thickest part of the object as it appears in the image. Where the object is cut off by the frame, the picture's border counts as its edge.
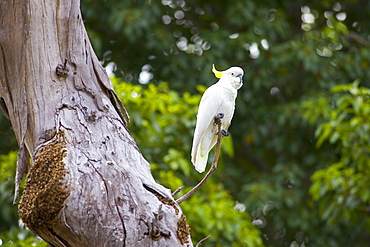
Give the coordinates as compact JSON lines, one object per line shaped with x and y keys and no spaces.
{"x":204,"y":135}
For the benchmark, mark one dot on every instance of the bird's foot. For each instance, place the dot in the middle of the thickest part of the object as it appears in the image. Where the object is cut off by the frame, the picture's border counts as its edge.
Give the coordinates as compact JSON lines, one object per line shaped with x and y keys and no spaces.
{"x":218,"y":118}
{"x":224,"y":133}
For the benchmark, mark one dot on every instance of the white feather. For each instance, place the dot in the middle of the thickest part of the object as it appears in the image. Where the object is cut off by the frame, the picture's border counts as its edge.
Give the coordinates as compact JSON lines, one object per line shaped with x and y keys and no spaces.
{"x":218,"y":98}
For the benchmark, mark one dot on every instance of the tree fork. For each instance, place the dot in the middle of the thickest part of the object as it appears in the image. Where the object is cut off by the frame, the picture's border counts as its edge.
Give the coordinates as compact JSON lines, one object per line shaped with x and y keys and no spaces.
{"x":88,"y":184}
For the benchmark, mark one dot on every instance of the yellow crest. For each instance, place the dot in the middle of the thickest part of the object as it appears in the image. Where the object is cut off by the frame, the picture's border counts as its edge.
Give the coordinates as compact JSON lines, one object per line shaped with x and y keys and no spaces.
{"x":217,"y":73}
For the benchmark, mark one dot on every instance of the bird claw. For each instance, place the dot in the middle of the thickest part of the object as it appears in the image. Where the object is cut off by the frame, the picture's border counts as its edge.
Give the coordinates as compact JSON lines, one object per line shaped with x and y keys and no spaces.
{"x":224,"y":133}
{"x":218,"y":118}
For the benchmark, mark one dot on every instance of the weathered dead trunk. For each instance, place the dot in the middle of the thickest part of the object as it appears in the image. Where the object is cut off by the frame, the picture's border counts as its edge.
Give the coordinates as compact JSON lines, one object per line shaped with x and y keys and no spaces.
{"x":88,"y":184}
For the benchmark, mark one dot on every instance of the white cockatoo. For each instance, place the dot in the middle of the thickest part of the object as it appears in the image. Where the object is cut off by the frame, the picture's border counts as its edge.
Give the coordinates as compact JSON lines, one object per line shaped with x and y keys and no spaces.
{"x":217,"y":99}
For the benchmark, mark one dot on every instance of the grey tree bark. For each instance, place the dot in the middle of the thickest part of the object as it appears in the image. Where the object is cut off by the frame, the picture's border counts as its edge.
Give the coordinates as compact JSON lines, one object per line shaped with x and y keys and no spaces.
{"x":88,"y":184}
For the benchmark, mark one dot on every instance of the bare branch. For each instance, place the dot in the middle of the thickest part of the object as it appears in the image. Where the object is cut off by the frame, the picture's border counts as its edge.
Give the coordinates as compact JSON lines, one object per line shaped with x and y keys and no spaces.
{"x":177,"y":190}
{"x":358,"y":38}
{"x":211,"y":170}
{"x":202,"y":240}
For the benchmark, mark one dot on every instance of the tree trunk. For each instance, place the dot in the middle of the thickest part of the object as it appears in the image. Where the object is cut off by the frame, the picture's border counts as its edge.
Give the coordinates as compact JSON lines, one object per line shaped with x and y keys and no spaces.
{"x":88,"y":184}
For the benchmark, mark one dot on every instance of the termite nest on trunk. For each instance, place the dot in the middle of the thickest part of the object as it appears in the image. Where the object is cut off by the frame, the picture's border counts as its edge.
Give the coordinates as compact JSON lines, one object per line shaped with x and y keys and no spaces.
{"x":45,"y":190}
{"x":183,"y":230}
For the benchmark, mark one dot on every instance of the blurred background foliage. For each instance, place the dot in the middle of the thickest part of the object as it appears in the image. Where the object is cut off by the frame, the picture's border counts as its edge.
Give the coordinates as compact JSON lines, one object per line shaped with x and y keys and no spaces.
{"x":295,"y":169}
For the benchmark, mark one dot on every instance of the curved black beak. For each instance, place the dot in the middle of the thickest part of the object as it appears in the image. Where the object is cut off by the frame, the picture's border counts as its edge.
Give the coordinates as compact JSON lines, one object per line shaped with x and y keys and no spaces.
{"x":240,"y":78}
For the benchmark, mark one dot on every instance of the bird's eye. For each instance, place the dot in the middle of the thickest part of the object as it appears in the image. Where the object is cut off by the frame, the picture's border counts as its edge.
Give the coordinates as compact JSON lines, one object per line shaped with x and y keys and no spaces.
{"x":232,"y":74}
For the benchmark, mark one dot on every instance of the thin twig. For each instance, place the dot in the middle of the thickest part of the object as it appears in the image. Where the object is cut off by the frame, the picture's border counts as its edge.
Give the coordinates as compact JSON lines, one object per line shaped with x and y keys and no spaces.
{"x":211,"y":170}
{"x":202,"y":240}
{"x":177,"y":190}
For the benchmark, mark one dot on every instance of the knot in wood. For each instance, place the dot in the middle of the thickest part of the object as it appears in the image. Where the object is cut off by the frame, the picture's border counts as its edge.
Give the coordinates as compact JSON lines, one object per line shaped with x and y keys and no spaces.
{"x":62,"y":69}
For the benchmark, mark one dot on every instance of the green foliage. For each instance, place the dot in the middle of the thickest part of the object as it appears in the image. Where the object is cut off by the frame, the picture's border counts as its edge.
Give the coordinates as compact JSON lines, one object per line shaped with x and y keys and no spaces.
{"x":163,"y":119}
{"x":20,"y":237}
{"x":8,"y":212}
{"x":177,"y":41}
{"x":343,"y":187}
{"x":162,"y":122}
{"x":10,"y":233}
{"x":212,"y":211}
{"x":7,"y":140}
